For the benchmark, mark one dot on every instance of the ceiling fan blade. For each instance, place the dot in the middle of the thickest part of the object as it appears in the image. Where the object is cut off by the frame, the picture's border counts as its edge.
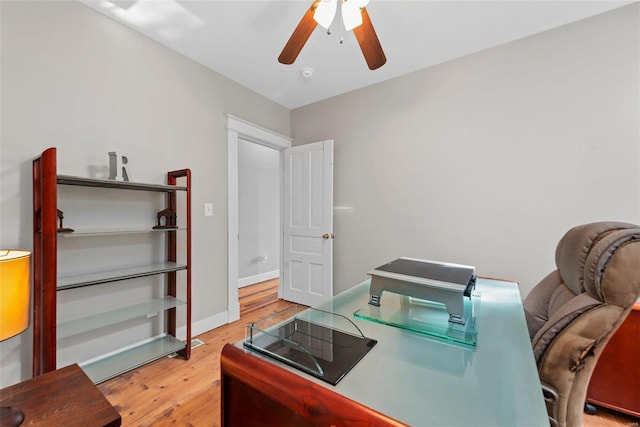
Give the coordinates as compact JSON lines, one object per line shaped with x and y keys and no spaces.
{"x":299,"y":36}
{"x":369,"y":43}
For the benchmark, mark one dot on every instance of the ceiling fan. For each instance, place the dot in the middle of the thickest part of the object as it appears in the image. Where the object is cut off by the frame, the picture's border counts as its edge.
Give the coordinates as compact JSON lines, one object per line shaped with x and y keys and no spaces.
{"x":354,"y":17}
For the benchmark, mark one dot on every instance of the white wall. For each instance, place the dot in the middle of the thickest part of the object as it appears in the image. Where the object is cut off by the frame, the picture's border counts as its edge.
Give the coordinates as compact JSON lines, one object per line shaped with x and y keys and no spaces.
{"x":487,"y":160}
{"x":77,"y":80}
{"x":258,"y":212}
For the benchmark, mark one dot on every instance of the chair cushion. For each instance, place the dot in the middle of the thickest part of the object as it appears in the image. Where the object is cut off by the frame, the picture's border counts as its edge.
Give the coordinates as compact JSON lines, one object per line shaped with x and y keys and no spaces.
{"x":611,"y":268}
{"x":564,"y":315}
{"x":576,"y":245}
{"x":536,"y":304}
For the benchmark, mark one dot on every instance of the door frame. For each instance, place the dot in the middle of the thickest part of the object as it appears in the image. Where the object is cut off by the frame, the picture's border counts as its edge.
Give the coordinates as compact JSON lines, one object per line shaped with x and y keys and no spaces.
{"x":241,"y":129}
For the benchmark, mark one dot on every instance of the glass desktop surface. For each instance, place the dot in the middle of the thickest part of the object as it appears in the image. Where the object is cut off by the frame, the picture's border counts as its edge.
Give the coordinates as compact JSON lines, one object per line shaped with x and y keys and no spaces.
{"x":424,"y":381}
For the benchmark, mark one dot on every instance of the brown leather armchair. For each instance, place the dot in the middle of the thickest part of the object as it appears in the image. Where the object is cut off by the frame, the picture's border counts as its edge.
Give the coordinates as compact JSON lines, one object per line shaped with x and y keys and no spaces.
{"x":572,"y":313}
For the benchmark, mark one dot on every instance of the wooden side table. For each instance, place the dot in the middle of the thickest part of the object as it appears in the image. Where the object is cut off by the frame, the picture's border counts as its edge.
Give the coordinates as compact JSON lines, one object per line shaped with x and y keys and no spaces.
{"x":64,"y":397}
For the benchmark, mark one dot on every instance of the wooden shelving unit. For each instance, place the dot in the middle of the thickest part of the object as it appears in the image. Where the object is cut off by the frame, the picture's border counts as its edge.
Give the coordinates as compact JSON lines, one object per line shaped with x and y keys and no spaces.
{"x":48,"y":284}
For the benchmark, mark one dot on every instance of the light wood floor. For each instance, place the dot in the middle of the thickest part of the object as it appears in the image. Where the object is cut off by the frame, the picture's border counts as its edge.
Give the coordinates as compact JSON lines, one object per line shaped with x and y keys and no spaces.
{"x":187,"y":393}
{"x":606,"y":418}
{"x":257,"y":296}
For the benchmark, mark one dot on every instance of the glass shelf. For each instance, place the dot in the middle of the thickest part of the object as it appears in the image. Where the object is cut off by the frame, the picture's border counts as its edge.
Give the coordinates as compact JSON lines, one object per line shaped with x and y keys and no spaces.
{"x":85,"y":324}
{"x":97,"y":232}
{"x":123,"y":185}
{"x":121,"y":362}
{"x":425,"y":317}
{"x":77,"y":281}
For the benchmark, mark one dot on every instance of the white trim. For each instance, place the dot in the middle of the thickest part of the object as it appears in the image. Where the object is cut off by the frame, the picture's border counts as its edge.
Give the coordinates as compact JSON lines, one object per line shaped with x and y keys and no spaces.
{"x":239,"y":128}
{"x":280,"y":285}
{"x":232,"y":226}
{"x":205,"y":325}
{"x":252,"y":280}
{"x":257,"y":134}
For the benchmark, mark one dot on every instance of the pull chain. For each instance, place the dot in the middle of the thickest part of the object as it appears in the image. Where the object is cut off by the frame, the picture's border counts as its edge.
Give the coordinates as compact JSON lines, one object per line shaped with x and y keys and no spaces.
{"x":341,"y":25}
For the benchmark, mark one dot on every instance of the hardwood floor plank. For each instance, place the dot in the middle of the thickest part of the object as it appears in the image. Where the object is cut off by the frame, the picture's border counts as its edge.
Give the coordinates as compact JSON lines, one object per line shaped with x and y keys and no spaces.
{"x":607,"y":417}
{"x":259,"y":295}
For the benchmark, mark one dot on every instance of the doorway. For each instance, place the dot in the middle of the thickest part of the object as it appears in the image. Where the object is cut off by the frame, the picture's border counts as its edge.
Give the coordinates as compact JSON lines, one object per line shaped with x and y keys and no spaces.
{"x":239,"y":130}
{"x":259,"y":222}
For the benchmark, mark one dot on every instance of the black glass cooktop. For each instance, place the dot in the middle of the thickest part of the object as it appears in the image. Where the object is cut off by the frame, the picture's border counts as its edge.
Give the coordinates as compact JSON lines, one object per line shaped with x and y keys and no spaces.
{"x":323,"y":352}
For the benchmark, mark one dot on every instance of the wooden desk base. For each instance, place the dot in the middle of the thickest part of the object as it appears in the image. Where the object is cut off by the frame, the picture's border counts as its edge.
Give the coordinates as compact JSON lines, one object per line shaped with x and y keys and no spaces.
{"x":259,"y":393}
{"x":64,"y":397}
{"x":615,"y":383}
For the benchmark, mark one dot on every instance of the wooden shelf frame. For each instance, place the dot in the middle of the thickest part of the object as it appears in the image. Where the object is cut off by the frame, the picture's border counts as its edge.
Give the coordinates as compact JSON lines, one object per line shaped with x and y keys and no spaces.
{"x":45,"y":250}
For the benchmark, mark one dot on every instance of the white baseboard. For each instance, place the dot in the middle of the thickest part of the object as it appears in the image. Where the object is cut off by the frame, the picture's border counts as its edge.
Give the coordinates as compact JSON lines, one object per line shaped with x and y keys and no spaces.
{"x":246,"y":281}
{"x":234,"y":313}
{"x":204,"y":325}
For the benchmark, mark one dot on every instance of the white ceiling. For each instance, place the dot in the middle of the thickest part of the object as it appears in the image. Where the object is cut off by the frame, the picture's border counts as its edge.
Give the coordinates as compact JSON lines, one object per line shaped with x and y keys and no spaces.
{"x":242,"y":39}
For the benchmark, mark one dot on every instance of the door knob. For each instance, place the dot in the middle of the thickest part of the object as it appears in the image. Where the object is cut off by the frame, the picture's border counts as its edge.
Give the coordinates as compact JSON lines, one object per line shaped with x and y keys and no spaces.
{"x":327,"y":235}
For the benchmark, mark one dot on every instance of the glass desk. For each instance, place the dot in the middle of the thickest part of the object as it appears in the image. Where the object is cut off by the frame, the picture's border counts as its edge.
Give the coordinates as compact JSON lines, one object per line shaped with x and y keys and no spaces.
{"x":419,"y":380}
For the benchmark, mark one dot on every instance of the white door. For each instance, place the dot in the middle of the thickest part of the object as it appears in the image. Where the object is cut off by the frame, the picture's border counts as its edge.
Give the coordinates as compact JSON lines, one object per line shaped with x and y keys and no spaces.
{"x":307,"y":276}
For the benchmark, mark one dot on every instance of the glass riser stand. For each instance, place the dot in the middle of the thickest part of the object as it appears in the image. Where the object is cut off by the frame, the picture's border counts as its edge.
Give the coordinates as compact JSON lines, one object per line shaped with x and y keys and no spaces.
{"x":425,"y":317}
{"x":109,"y":367}
{"x":85,"y":324}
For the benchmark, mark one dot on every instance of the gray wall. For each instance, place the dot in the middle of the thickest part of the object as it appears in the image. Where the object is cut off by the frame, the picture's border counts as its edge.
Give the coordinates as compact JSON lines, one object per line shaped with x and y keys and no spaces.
{"x":487,"y":160}
{"x":77,"y":80}
{"x":258,"y":211}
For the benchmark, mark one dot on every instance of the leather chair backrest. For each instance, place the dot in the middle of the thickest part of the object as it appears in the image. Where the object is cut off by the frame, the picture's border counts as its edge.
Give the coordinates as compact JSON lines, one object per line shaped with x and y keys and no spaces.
{"x":573,"y":311}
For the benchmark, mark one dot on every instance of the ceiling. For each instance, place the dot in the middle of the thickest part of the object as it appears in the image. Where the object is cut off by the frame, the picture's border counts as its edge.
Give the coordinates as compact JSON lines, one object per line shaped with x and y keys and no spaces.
{"x":242,"y":39}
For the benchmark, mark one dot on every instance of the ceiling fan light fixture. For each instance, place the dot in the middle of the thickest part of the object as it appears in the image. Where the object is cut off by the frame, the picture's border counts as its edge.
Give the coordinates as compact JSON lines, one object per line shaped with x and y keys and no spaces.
{"x":351,"y":15}
{"x":322,"y":12}
{"x":358,"y":3}
{"x":325,"y":12}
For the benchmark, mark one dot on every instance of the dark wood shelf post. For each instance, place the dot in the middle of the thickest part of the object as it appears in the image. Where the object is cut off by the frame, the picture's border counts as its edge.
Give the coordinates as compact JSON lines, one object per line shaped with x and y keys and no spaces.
{"x":44,"y":266}
{"x":172,"y":178}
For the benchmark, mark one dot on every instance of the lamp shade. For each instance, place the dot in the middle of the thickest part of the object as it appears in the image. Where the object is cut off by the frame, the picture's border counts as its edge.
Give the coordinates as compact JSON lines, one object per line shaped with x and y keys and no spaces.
{"x":14,"y":292}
